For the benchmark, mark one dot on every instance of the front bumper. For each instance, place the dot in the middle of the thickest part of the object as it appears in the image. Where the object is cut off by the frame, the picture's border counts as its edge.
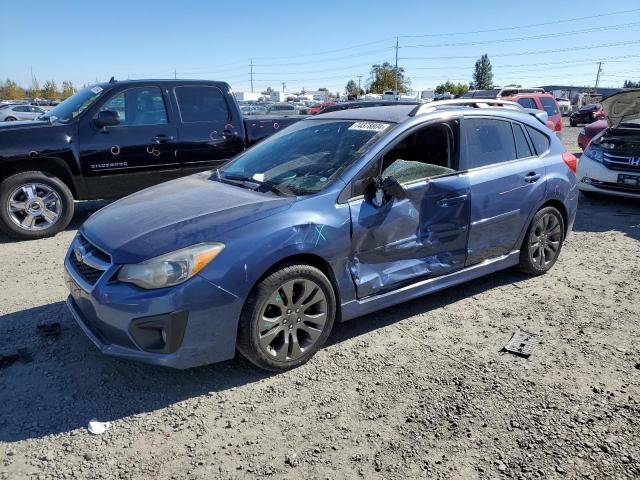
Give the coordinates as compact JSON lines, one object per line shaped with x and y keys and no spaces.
{"x":106,"y":310}
{"x":593,"y":176}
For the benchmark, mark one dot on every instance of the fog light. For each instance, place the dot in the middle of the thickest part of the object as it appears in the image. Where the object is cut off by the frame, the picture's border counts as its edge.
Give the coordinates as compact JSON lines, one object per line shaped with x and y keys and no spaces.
{"x":159,"y":333}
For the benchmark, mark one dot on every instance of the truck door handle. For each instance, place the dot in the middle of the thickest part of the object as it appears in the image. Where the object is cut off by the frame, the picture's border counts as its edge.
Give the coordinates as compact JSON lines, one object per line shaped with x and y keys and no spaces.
{"x":532,"y":177}
{"x":227,"y":133}
{"x":162,"y":138}
{"x":452,"y":200}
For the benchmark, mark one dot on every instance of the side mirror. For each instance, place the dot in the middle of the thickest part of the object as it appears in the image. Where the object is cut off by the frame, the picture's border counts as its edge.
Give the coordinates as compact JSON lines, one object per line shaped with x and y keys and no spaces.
{"x":382,"y":190}
{"x":107,"y":118}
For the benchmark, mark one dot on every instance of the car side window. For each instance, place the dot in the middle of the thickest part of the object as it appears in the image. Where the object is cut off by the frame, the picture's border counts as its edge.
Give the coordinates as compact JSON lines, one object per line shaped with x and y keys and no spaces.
{"x":202,"y":104}
{"x":138,"y":106}
{"x":20,"y":109}
{"x":489,"y":141}
{"x":522,"y":145}
{"x":549,"y":105}
{"x":527,"y":103}
{"x":425,"y":153}
{"x":540,"y":140}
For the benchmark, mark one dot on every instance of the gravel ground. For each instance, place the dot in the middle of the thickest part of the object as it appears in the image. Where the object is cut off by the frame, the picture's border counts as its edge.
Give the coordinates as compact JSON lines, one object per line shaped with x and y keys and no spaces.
{"x":420,"y":390}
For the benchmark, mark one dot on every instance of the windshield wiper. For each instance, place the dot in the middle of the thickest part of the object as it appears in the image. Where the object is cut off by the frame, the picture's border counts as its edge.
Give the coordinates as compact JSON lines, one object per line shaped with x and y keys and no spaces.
{"x":249,"y":180}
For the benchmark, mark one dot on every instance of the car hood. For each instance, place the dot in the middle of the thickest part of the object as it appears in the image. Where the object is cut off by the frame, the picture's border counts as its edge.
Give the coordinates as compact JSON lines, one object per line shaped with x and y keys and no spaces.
{"x":596,"y":127}
{"x":175,"y":215}
{"x":622,"y":107}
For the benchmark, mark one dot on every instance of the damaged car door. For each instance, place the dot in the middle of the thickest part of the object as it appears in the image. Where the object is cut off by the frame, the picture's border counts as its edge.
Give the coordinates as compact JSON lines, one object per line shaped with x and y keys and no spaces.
{"x":411,"y":220}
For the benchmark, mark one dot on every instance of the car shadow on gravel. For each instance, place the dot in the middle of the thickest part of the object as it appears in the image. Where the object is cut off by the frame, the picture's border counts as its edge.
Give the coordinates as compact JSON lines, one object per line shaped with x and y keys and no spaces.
{"x":69,"y":382}
{"x":604,"y":213}
{"x":83,"y":210}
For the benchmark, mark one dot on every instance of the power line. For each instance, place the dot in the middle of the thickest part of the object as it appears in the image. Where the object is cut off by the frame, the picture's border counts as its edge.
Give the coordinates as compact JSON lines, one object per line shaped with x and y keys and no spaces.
{"x":530,"y":52}
{"x":531,"y":37}
{"x":531,"y":25}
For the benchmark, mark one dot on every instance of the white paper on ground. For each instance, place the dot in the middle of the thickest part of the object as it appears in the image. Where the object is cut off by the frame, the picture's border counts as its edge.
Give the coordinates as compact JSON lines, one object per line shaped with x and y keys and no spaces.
{"x":97,"y":427}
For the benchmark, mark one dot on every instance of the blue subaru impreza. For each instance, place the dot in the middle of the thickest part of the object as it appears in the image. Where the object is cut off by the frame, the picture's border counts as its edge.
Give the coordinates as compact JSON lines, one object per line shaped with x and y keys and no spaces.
{"x":334,"y":217}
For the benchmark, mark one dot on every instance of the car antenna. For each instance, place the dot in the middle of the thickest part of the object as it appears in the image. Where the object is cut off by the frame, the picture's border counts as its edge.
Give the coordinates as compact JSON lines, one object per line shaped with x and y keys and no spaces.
{"x":112,"y":80}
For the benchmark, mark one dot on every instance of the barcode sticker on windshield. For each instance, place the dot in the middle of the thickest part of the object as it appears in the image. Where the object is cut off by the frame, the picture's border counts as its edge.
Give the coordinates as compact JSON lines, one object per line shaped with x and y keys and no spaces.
{"x":369,"y":126}
{"x":96,"y":89}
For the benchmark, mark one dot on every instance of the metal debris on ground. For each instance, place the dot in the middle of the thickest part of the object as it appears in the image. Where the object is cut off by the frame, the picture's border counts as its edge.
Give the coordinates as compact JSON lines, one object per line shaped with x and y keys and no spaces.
{"x":50,"y":329}
{"x":97,"y":427}
{"x":522,"y":343}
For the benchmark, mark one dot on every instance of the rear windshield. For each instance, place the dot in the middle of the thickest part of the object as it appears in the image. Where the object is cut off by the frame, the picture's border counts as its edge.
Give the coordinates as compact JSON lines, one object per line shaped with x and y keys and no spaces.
{"x":549,"y":105}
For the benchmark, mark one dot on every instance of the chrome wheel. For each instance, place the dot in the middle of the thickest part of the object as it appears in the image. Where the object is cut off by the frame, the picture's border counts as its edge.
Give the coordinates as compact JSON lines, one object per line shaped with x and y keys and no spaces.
{"x":292,"y":319}
{"x":34,"y":206}
{"x":545,"y":240}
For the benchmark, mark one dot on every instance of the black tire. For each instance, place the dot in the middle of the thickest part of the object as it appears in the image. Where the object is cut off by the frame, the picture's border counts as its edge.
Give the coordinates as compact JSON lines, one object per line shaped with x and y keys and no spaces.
{"x":10,"y":119}
{"x":573,"y":123}
{"x":534,"y":255}
{"x":64,"y":203}
{"x":252,"y":329}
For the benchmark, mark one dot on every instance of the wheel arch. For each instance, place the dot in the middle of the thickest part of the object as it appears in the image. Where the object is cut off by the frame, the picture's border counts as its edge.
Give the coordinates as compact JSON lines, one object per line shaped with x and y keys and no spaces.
{"x":52,"y":165}
{"x":558,"y":205}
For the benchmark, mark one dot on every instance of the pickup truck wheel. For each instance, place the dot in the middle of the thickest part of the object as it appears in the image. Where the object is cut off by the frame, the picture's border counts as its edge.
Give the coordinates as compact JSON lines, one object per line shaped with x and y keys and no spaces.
{"x":287,"y":318}
{"x":34,"y":205}
{"x":542,"y":243}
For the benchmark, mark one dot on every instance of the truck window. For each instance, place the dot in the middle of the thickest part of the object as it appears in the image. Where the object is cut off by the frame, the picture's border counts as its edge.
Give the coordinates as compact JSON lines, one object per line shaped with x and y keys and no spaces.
{"x":527,"y":103}
{"x":138,"y":106}
{"x":201,"y":104}
{"x":549,"y":105}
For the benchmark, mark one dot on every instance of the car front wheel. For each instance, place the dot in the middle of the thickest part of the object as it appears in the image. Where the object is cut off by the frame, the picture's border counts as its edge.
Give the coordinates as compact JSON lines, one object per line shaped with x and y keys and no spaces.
{"x":542,"y":242}
{"x":34,"y":205}
{"x":287,"y":318}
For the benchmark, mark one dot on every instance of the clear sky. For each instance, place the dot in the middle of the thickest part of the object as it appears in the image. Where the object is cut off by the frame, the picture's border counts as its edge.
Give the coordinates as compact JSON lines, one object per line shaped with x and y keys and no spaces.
{"x":319,"y":44}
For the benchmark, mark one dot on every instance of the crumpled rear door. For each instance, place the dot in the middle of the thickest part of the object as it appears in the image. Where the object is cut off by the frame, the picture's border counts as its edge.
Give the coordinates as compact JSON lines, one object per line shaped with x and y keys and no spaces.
{"x":421,"y":236}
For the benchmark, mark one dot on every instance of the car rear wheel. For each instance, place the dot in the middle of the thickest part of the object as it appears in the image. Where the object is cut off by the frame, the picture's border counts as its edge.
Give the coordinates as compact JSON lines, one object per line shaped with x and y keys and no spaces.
{"x":10,"y":119}
{"x":542,"y":242}
{"x":287,"y":318}
{"x":34,"y":205}
{"x":573,"y":123}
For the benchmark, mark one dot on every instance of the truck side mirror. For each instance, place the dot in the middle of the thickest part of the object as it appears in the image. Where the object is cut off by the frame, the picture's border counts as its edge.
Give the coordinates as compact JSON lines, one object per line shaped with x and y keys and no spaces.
{"x":107,"y":118}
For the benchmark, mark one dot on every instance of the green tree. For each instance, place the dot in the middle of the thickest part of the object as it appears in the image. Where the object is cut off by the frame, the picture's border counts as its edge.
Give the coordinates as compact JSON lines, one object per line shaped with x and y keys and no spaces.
{"x":456,"y":89}
{"x":631,"y":84}
{"x":67,"y":89}
{"x":268,"y":91}
{"x":351,"y":88}
{"x":34,"y":91}
{"x":383,"y":78}
{"x":483,"y":75}
{"x":50,"y":90}
{"x":10,"y":90}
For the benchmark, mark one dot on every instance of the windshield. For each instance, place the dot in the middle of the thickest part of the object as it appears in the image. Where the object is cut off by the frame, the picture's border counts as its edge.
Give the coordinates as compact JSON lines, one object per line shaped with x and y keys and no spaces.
{"x":305,"y":157}
{"x":73,"y":106}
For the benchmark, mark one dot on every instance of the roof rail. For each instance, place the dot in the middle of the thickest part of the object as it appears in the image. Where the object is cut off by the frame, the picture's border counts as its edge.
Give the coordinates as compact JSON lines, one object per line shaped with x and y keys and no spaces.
{"x":465,"y":102}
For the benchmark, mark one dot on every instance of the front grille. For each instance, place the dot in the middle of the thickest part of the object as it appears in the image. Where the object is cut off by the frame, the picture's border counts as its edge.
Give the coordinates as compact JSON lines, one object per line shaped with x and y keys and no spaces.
{"x":618,"y":162}
{"x":93,"y":262}
{"x":616,"y":187}
{"x":90,"y":274}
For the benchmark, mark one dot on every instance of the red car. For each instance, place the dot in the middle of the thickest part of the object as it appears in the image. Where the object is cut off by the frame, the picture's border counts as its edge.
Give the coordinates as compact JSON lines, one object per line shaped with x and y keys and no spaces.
{"x":315,"y":109}
{"x":590,"y":131}
{"x":540,"y":101}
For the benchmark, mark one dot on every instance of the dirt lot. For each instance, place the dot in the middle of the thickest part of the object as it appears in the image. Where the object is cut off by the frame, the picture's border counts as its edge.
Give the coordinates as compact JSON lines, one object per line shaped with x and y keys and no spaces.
{"x":416,"y":391}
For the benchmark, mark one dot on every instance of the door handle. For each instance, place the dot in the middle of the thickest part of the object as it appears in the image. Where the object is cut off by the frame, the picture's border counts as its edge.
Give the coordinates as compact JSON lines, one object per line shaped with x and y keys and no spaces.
{"x":532,"y":177}
{"x":162,"y":138}
{"x":227,"y":133}
{"x":451,"y":201}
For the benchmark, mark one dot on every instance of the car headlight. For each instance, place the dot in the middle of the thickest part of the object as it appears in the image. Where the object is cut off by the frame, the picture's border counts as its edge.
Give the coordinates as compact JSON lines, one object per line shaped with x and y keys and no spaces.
{"x":171,"y":268}
{"x":594,"y":153}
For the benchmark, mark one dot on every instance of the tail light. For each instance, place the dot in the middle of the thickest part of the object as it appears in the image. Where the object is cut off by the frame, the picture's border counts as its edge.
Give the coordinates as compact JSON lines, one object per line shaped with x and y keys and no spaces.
{"x":571,"y":161}
{"x":559,"y":126}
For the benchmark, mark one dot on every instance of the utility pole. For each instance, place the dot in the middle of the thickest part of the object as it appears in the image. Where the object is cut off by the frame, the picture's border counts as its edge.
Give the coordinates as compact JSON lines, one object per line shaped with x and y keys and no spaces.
{"x":251,"y":73}
{"x":284,"y":85}
{"x":175,"y":74}
{"x":396,"y":70}
{"x":598,"y":76}
{"x":359,"y":77}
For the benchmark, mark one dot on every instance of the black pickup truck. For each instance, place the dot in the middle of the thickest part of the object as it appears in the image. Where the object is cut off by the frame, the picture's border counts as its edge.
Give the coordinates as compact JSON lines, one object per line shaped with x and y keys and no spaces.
{"x":111,"y":139}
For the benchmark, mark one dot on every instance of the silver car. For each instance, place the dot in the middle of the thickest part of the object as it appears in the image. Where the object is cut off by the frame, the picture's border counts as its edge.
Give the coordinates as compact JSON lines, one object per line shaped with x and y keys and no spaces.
{"x":19,"y":112}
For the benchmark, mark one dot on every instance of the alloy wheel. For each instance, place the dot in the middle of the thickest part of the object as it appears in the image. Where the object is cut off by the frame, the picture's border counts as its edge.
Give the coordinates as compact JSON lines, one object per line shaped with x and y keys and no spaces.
{"x":292,"y":319}
{"x":545,"y":240}
{"x":34,"y":206}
